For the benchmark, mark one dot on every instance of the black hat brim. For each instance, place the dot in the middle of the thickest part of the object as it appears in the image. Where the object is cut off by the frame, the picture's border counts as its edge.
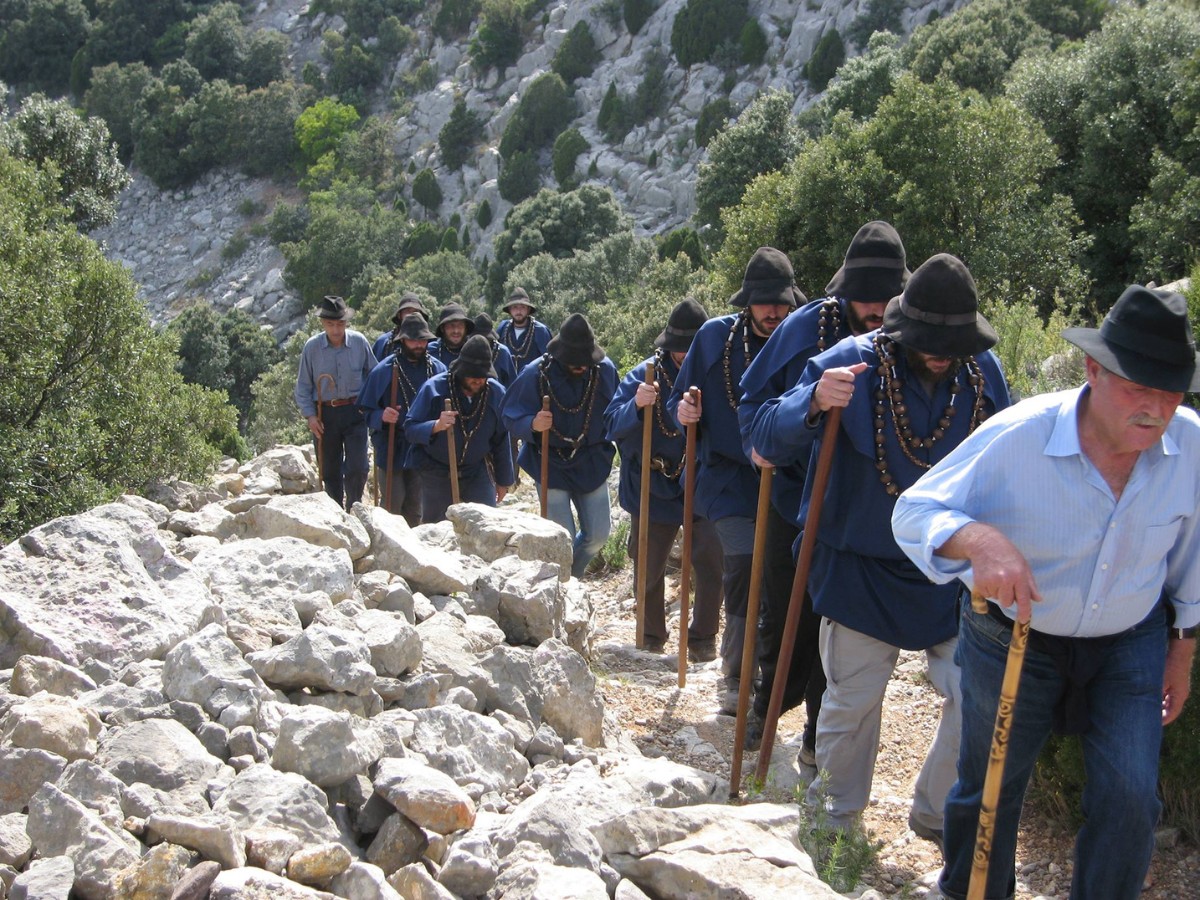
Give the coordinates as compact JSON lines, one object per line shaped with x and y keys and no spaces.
{"x":568,"y":355}
{"x":938,"y":340}
{"x":1134,"y":366}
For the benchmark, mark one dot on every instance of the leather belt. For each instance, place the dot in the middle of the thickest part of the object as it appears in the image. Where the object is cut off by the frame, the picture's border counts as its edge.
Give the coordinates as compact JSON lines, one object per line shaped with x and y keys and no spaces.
{"x":345,"y":401}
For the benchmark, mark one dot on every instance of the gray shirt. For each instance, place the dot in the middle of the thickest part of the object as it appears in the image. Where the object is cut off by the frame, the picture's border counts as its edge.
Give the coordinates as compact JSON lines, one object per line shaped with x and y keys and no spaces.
{"x":349,"y":364}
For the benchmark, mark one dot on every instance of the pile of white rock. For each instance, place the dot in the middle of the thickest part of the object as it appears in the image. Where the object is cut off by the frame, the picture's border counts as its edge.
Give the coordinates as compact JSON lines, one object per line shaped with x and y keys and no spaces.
{"x":241,"y":691}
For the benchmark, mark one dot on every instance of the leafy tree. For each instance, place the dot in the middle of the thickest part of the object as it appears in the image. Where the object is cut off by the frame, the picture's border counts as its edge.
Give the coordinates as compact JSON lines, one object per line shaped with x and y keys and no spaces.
{"x":90,"y":406}
{"x":752,"y":43}
{"x":763,"y":138}
{"x":520,"y":177}
{"x":38,"y":39}
{"x":83,"y":158}
{"x":132,"y":31}
{"x":436,"y":278}
{"x":264,"y":139}
{"x":320,"y":126}
{"x":553,"y":223}
{"x":637,"y":13}
{"x":1108,"y":104}
{"x":216,"y":43}
{"x":483,"y":215}
{"x":862,"y":82}
{"x":1164,"y":224}
{"x":498,"y":41}
{"x":113,"y":96}
{"x":458,"y":137}
{"x":426,"y":190}
{"x":352,"y":70}
{"x":567,"y":147}
{"x":952,"y":171}
{"x":650,"y":97}
{"x":610,"y":119}
{"x":543,"y":111}
{"x":712,"y":119}
{"x":976,"y":45}
{"x":685,"y":241}
{"x":265,"y":59}
{"x":577,"y":55}
{"x":702,"y":26}
{"x":162,"y":135}
{"x":454,"y":18}
{"x":880,"y":15}
{"x":274,"y":418}
{"x":826,"y":59}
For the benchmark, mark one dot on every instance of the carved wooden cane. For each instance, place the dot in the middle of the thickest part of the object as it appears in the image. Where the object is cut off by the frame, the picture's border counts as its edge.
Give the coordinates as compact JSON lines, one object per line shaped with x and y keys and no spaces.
{"x":643,"y":544}
{"x":544,"y":487}
{"x":452,"y":453}
{"x":685,"y":569}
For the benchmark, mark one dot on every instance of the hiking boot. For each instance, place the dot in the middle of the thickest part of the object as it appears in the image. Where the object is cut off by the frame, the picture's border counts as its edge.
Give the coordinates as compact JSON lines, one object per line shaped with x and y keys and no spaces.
{"x":754,"y":730}
{"x":807,"y":755}
{"x":702,"y":650}
{"x":730,"y":688}
{"x":929,"y":834}
{"x":654,"y":645}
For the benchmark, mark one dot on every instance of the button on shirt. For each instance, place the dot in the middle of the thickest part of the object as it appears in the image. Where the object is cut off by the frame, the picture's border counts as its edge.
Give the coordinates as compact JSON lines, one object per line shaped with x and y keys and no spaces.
{"x":349,"y":364}
{"x":1101,"y":563}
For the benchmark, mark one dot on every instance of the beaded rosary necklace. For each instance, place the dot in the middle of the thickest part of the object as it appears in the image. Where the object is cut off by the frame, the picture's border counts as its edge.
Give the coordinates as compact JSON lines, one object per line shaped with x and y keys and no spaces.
{"x":889,"y":397}
{"x":467,"y":423}
{"x":659,"y":463}
{"x":742,"y":321}
{"x":407,"y":389}
{"x":521,"y":348}
{"x":588,"y":401}
{"x":829,"y":323}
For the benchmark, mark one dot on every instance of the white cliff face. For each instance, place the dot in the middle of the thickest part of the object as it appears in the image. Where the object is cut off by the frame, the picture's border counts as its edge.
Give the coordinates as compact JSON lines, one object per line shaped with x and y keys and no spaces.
{"x":179,"y":244}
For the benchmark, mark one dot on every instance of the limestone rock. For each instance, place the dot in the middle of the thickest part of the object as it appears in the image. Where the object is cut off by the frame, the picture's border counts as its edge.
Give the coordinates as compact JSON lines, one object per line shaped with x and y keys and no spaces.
{"x":322,"y":657}
{"x":32,"y":674}
{"x":533,"y":876}
{"x":325,"y":747}
{"x":58,"y":725}
{"x":208,"y":669}
{"x":398,"y":549}
{"x":195,"y":883}
{"x":15,"y":848}
{"x":394,"y":643}
{"x":22,"y":772}
{"x":256,"y":884}
{"x":48,"y":878}
{"x":163,"y":754}
{"x":310,"y":517}
{"x":526,"y":597}
{"x":363,"y":881}
{"x":317,"y":865}
{"x":285,"y":469}
{"x":270,"y":848}
{"x":476,"y":751}
{"x":262,"y":797}
{"x":471,"y":866}
{"x":214,"y":837}
{"x":492,"y":533}
{"x":154,"y":876}
{"x":568,"y":691}
{"x":415,"y":883}
{"x":398,"y":843}
{"x":425,"y":795}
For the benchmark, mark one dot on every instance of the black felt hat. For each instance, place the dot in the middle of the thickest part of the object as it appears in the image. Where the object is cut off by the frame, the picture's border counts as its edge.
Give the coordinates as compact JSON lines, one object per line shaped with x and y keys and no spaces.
{"x":683,"y":323}
{"x":409,"y":303}
{"x":485,"y":326}
{"x":414,"y":328}
{"x":1146,"y":338}
{"x":575,"y":344}
{"x":334,"y":309}
{"x":453,"y":312}
{"x":938,"y":312}
{"x":519,"y":296}
{"x":475,"y":359}
{"x":874,"y":269}
{"x":770,"y":279}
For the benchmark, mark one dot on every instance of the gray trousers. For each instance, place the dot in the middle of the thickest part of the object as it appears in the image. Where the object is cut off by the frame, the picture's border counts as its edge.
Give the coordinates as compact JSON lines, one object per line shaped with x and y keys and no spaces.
{"x":857,"y":670}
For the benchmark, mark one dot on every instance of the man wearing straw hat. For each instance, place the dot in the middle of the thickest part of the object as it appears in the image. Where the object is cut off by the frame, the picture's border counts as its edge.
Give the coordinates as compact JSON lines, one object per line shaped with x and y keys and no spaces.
{"x":521,"y":333}
{"x":480,"y":440}
{"x":1081,"y":509}
{"x":623,"y":423}
{"x":909,"y":392}
{"x":726,"y":481}
{"x":874,"y":271}
{"x":333,"y":367}
{"x":410,"y":367}
{"x":580,"y":381}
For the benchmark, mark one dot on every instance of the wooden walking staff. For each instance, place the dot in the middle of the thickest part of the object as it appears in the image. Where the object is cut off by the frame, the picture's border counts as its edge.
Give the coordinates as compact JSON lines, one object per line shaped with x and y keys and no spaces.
{"x":685,"y":563}
{"x":452,"y":453}
{"x":765,"y":477}
{"x":544,"y":487}
{"x":321,"y":422}
{"x":820,"y":477}
{"x":994,"y":778}
{"x":391,"y":454}
{"x":643,"y":547}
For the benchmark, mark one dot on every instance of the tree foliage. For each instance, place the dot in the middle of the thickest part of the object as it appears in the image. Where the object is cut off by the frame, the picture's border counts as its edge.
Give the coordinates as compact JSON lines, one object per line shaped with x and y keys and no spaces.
{"x":752,"y":43}
{"x":320,"y":126}
{"x":78,"y":151}
{"x":862,"y":82}
{"x":637,"y":13}
{"x":826,"y":59}
{"x":90,"y":405}
{"x":38,"y":40}
{"x":567,"y":147}
{"x":426,"y":190}
{"x":952,"y":171}
{"x":704,"y":25}
{"x":880,"y":15}
{"x":499,"y":39}
{"x":763,"y":139}
{"x":520,"y":177}
{"x":454,"y":18}
{"x":577,"y":55}
{"x":113,"y":96}
{"x":462,"y":131}
{"x":712,"y":119}
{"x":542,"y":112}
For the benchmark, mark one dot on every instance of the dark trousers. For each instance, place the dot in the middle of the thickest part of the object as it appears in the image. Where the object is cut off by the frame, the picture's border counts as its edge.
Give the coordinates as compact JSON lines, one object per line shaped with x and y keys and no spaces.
{"x":406,"y":493}
{"x":435,"y":492}
{"x":705,"y":612}
{"x":806,"y":677}
{"x":343,"y":450}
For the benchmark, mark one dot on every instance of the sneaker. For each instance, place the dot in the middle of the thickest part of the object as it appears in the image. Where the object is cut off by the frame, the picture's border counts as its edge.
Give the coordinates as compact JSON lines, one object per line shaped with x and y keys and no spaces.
{"x":702,"y":650}
{"x":929,"y":834}
{"x":807,"y":756}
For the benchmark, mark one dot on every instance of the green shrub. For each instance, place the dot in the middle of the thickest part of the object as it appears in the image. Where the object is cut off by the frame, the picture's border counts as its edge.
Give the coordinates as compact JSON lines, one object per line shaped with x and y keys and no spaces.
{"x":498,"y":40}
{"x":826,"y":59}
{"x":543,"y":111}
{"x":702,"y":26}
{"x":752,"y":43}
{"x":712,"y":119}
{"x":685,"y":241}
{"x":520,"y":177}
{"x":425,"y":238}
{"x":449,"y":240}
{"x":458,"y":137}
{"x":454,"y":18}
{"x":652,"y":160}
{"x":567,"y":147}
{"x":611,"y":117}
{"x":637,"y":13}
{"x":426,"y":190}
{"x":483,"y":215}
{"x":880,"y":15}
{"x":577,"y":56}
{"x":238,"y":244}
{"x":320,"y":126}
{"x":650,"y":98}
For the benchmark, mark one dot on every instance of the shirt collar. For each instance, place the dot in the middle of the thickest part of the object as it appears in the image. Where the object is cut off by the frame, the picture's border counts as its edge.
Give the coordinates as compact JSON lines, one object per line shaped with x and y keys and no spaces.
{"x":1064,"y":439}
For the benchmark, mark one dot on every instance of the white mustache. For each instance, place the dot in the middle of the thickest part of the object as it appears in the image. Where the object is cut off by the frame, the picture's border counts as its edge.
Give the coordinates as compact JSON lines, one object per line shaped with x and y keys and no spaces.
{"x":1145,"y":419}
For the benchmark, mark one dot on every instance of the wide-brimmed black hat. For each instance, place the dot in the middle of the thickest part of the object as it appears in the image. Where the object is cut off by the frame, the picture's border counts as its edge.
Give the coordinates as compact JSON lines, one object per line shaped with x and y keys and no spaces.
{"x":1146,"y":338}
{"x":519,"y":296}
{"x":453,"y":312}
{"x":334,"y":308}
{"x":485,"y":326}
{"x":874,"y":270}
{"x":475,"y":359}
{"x":938,"y":312}
{"x":769,"y":279}
{"x":414,"y":328}
{"x":575,"y":344}
{"x":683,"y":323}
{"x":409,"y":303}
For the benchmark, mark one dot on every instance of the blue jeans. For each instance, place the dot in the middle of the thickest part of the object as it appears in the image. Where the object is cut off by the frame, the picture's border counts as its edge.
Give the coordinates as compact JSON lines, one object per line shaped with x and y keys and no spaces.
{"x":594,"y":522}
{"x":1120,"y":754}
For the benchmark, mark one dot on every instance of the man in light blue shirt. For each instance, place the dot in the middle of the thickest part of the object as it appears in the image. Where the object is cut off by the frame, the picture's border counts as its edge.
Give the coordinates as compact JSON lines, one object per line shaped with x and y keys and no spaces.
{"x":1080,"y":509}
